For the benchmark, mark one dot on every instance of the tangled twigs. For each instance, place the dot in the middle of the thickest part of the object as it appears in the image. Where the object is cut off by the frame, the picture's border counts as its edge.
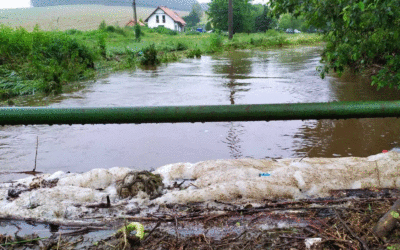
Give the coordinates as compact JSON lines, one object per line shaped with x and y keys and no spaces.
{"x":152,"y":230}
{"x":365,"y":246}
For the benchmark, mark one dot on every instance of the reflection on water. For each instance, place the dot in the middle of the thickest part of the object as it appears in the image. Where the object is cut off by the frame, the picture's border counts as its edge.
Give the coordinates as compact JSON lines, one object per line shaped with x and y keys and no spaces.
{"x":235,"y":66}
{"x":233,"y":141}
{"x":241,"y":77}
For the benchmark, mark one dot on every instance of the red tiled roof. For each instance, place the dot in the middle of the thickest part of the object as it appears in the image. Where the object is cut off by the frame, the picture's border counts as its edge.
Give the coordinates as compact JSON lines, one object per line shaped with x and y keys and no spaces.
{"x":132,"y":23}
{"x":172,"y":14}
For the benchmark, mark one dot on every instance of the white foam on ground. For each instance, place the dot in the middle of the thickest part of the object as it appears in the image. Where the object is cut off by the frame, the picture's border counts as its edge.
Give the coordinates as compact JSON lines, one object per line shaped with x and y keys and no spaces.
{"x":311,"y":241}
{"x":58,"y":203}
{"x":289,"y":178}
{"x":96,"y":178}
{"x":224,"y":180}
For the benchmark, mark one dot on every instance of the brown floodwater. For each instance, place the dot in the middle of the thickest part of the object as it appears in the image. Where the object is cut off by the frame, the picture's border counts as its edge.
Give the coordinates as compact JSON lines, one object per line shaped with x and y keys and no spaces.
{"x":241,"y":77}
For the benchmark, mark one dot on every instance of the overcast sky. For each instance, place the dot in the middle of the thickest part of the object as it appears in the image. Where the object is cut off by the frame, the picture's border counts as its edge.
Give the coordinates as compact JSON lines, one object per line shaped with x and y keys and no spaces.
{"x":11,"y":4}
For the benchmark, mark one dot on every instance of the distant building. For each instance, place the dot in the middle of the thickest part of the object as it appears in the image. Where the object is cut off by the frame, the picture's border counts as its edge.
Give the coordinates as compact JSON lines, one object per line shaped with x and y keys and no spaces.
{"x":167,"y":18}
{"x":132,"y":23}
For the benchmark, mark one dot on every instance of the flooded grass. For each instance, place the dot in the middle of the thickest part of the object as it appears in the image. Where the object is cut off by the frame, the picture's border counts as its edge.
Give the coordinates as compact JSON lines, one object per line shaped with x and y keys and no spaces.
{"x":46,"y":61}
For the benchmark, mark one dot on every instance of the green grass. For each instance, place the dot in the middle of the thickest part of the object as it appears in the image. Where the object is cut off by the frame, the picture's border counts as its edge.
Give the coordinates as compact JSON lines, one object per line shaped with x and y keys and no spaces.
{"x":46,"y":61}
{"x":272,"y":39}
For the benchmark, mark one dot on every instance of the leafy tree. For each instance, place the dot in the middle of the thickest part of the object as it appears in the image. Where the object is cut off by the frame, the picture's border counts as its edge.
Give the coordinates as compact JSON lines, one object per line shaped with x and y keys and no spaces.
{"x":208,"y":26}
{"x":243,"y":20}
{"x":138,"y":33}
{"x":264,"y":21}
{"x":288,"y":21}
{"x":194,"y":16}
{"x":360,"y":35}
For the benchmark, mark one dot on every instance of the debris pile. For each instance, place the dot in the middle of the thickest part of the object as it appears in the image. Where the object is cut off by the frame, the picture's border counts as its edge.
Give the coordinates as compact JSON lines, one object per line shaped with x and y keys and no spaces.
{"x":143,"y":181}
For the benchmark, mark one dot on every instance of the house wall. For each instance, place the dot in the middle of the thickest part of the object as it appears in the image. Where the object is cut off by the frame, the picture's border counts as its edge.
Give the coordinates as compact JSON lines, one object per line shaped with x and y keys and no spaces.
{"x":169,"y":22}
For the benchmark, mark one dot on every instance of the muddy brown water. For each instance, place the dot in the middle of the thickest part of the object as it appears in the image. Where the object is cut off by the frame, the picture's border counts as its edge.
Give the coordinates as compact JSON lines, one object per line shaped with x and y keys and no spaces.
{"x":241,"y":77}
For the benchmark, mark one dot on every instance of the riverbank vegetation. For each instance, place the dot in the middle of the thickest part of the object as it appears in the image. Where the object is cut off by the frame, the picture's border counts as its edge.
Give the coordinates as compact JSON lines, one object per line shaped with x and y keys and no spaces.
{"x":44,"y":61}
{"x":361,"y":36}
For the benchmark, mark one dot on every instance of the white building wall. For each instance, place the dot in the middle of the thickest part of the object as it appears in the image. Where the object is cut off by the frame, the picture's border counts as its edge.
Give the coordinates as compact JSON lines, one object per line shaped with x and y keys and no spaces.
{"x":169,"y":22}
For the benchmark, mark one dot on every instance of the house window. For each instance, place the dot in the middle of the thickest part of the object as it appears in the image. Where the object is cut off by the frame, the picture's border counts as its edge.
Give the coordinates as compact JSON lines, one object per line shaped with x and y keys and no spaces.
{"x":163,"y":18}
{"x":157,"y":19}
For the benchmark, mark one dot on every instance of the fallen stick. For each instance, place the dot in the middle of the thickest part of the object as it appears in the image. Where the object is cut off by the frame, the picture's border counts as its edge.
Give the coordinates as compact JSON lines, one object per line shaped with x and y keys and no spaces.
{"x":388,"y":221}
{"x":82,"y":231}
{"x":152,"y":230}
{"x":37,"y":145}
{"x":59,"y":223}
{"x":365,"y":246}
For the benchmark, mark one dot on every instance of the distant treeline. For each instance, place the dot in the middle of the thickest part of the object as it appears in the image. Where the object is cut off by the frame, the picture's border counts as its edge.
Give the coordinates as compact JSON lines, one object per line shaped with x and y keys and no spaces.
{"x":172,"y":4}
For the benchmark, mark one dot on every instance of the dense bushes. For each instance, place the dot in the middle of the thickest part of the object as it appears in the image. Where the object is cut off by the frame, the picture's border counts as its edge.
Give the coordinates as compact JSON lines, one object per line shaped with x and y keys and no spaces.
{"x":361,"y":36}
{"x":40,"y":61}
{"x":111,"y":29}
{"x":192,"y":32}
{"x":166,"y":31}
{"x":194,"y":53}
{"x":216,"y":42}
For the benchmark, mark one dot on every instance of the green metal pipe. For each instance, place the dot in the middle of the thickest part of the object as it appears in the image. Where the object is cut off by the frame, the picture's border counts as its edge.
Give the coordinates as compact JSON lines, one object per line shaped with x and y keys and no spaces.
{"x":217,"y":113}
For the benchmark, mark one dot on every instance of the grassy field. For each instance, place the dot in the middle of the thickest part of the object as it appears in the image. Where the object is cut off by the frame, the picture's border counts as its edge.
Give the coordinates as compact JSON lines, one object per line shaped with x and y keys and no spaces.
{"x":81,"y":17}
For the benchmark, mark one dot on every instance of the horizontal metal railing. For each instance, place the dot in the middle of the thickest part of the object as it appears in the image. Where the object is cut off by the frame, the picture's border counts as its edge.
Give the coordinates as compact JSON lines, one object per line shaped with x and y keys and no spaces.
{"x":215,"y":113}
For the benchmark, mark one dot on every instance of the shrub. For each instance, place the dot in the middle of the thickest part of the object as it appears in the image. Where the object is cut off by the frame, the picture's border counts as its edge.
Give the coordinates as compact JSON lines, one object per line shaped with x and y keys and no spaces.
{"x":163,"y":30}
{"x":189,"y":33}
{"x":275,"y":41}
{"x":271,"y":32}
{"x":110,"y":28}
{"x":130,"y":57}
{"x":138,"y":33}
{"x":103,"y":25}
{"x":115,"y":29}
{"x":169,"y":47}
{"x":216,"y":42}
{"x":256,"y":42}
{"x":15,"y":45}
{"x":149,"y":56}
{"x":40,"y":61}
{"x":168,"y":57}
{"x":73,"y":32}
{"x":181,"y":46}
{"x":208,"y":26}
{"x":194,"y":53}
{"x":102,"y":45}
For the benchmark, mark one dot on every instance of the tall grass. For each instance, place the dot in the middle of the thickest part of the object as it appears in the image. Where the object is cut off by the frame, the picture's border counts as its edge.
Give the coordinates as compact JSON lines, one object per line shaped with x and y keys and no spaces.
{"x":40,"y":61}
{"x":216,"y":42}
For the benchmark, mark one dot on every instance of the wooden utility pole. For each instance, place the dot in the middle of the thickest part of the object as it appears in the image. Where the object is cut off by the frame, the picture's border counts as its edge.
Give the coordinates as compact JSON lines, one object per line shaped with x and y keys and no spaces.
{"x":230,"y":19}
{"x":134,"y":11}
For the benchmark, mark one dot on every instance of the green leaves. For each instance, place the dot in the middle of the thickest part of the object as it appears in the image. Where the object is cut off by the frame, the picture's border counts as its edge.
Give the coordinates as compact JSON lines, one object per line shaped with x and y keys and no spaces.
{"x":360,"y":35}
{"x":242,"y":15}
{"x":361,"y":6}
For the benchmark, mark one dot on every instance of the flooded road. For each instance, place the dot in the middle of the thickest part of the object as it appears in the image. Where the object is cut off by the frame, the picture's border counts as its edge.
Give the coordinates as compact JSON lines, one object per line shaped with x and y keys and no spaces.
{"x":241,"y":77}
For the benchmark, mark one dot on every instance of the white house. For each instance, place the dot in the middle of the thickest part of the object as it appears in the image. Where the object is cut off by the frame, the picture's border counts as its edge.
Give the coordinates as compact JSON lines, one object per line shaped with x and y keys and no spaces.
{"x":163,"y":16}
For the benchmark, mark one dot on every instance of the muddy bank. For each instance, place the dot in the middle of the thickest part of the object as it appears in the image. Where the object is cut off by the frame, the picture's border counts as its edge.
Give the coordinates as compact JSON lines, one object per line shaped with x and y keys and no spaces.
{"x":343,"y":221}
